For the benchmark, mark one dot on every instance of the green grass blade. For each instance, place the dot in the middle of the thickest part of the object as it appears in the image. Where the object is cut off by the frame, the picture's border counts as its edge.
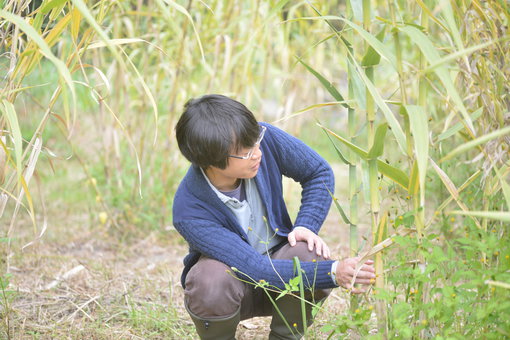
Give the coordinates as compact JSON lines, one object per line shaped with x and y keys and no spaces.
{"x":475,"y":142}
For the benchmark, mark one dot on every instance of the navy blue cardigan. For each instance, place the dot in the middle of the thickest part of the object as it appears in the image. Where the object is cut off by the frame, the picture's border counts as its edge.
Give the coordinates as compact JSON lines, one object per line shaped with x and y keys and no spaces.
{"x":211,"y":229}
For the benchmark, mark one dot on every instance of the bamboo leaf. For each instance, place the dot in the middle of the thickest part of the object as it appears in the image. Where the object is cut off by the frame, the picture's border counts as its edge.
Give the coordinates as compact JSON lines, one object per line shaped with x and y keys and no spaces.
{"x":306,"y":109}
{"x":338,"y":151}
{"x":493,"y":215}
{"x":327,"y":84}
{"x":378,"y":46}
{"x":420,"y":130}
{"x":396,"y":129}
{"x":75,"y":23}
{"x":190,"y":19}
{"x":475,"y":142}
{"x":414,"y":181}
{"x":432,"y":56}
{"x":373,"y":58}
{"x":51,"y":5}
{"x":464,"y":52}
{"x":12,"y":119}
{"x":357,"y":87}
{"x":339,"y":208}
{"x":45,"y":50}
{"x":377,"y":148}
{"x":398,"y":176}
{"x":459,"y":126}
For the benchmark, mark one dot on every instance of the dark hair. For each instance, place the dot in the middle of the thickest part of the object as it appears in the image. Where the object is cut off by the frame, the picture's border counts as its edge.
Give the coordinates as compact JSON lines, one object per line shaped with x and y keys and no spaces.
{"x":212,"y":127}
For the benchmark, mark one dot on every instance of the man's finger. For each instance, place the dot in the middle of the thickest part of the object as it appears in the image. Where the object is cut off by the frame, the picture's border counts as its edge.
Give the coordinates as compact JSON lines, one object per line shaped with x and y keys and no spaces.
{"x":368,"y":268}
{"x":365,"y":275}
{"x":318,"y":247}
{"x":365,"y":281}
{"x":326,"y":253}
{"x":292,"y":239}
{"x":310,"y":244}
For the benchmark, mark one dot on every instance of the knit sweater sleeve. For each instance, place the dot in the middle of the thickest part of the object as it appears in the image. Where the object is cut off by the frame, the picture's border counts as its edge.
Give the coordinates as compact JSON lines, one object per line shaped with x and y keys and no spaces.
{"x":299,"y":162}
{"x":213,"y":240}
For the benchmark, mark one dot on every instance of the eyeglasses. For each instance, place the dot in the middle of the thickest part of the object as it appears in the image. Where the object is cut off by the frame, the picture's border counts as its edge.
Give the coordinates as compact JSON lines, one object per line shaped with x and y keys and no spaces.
{"x":249,"y":154}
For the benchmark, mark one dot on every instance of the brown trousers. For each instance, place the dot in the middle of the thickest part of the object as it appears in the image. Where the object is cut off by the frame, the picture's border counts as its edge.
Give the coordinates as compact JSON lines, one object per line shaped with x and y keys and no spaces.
{"x":211,"y":292}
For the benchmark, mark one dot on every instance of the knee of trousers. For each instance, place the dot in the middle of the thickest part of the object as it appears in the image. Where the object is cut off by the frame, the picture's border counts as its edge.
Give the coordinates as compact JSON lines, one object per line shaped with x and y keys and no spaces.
{"x":212,"y":291}
{"x":305,"y":255}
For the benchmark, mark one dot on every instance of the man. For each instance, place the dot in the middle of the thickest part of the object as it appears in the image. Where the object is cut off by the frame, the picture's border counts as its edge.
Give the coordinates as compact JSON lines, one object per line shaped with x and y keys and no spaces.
{"x":230,"y":209}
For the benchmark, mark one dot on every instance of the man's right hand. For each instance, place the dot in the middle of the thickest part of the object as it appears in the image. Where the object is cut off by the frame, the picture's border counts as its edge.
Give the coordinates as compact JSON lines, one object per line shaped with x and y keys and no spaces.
{"x":345,"y":272}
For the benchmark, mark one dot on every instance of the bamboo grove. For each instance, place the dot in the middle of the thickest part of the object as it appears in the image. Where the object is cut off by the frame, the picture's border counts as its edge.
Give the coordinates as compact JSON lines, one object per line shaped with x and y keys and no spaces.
{"x":420,"y":95}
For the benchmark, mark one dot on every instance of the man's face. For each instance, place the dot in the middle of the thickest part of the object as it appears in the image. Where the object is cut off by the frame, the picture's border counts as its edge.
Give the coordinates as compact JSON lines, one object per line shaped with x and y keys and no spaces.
{"x":242,"y":168}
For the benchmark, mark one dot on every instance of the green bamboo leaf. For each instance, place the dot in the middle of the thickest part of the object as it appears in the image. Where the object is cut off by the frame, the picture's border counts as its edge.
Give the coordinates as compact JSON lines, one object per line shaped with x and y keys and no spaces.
{"x":492,"y":215}
{"x":396,"y":129}
{"x":454,"y":31}
{"x":420,"y":130}
{"x":358,"y":88}
{"x":339,"y":208}
{"x":475,"y":142}
{"x":431,"y":54}
{"x":378,"y":46}
{"x":377,"y":148}
{"x":52,"y":4}
{"x":327,"y":84}
{"x":398,"y":176}
{"x":464,"y":52}
{"x":373,"y":58}
{"x":459,"y":126}
{"x":45,"y":50}
{"x":414,"y":180}
{"x":338,"y":151}
{"x":12,"y":119}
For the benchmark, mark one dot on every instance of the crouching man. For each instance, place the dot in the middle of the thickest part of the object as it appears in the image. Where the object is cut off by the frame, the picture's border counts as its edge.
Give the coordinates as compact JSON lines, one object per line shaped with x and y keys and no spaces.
{"x":230,"y":209}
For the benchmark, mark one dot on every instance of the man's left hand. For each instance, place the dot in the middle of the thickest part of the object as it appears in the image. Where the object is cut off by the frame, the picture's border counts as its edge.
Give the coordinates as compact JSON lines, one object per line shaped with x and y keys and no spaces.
{"x":306,"y":235}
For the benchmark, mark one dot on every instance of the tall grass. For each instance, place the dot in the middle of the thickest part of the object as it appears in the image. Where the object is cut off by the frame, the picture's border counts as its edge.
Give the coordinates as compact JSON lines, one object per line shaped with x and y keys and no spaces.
{"x":114,"y":76}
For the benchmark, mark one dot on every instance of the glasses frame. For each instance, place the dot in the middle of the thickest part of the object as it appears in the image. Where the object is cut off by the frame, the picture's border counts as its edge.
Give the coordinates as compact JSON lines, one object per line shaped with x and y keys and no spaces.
{"x":249,"y":154}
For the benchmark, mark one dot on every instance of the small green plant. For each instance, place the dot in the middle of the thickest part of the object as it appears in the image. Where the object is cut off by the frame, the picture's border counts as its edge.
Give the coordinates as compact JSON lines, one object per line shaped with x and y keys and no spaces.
{"x":5,"y":305}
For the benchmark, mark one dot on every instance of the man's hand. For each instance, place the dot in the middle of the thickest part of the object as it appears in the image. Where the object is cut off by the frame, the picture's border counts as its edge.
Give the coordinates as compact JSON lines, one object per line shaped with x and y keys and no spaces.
{"x":304,"y":234}
{"x":345,"y":272}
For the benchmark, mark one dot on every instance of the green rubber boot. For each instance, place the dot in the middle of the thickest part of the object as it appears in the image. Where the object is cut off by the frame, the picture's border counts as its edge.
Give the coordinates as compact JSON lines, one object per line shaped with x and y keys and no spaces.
{"x":223,"y":328}
{"x":290,"y":307}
